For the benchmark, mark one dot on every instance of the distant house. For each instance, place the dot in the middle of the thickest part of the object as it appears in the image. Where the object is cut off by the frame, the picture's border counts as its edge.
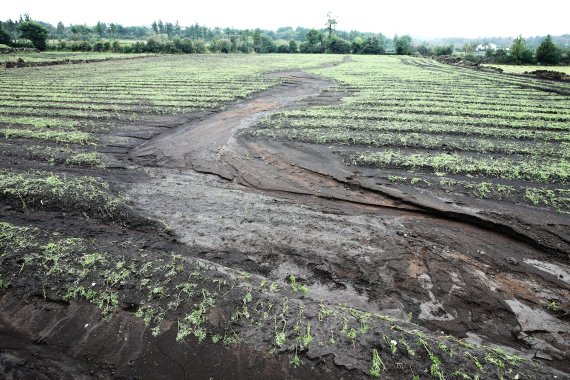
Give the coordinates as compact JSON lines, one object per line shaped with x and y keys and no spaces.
{"x":486,"y":46}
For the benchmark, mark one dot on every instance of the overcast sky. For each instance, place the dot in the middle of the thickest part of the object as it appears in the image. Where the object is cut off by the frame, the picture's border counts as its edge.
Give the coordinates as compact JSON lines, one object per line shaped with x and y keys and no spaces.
{"x":420,"y":18}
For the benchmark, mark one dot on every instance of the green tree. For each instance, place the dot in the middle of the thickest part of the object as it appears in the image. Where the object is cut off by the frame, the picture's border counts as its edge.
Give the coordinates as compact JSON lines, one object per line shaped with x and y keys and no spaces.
{"x":4,"y":36}
{"x":357,"y":45}
{"x":34,"y":32}
{"x":313,"y":43}
{"x":520,"y":54}
{"x":60,"y":30}
{"x":101,"y":29}
{"x":468,"y":48}
{"x":256,"y":37}
{"x":403,"y":45}
{"x":177,"y":29}
{"x":548,"y":53}
{"x":113,"y":31}
{"x":293,"y":46}
{"x":11,"y":27}
{"x":155,"y":27}
{"x":81,"y":31}
{"x":169,"y":30}
{"x":264,"y":44}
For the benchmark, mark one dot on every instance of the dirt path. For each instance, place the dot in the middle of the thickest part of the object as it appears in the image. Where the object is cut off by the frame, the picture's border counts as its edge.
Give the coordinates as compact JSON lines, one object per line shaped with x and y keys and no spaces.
{"x":279,"y":209}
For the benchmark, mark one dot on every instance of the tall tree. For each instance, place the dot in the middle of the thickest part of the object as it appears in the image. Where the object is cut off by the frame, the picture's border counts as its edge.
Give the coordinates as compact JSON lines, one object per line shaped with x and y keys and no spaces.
{"x":177,"y":29}
{"x":34,"y":32}
{"x":161,"y":28}
{"x":331,"y":23}
{"x":60,"y":30}
{"x":155,"y":27}
{"x":169,"y":28}
{"x":101,"y":29}
{"x":519,"y":52}
{"x":113,"y":30}
{"x":548,"y":53}
{"x":4,"y":36}
{"x":11,"y":27}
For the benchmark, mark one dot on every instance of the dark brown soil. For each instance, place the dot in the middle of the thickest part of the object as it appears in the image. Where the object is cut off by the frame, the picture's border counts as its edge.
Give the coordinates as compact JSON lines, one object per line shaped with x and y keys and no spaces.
{"x":470,"y":268}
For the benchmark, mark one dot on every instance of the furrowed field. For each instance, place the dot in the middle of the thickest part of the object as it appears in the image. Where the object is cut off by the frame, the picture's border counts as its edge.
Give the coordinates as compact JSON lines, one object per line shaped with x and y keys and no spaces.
{"x":434,"y":126}
{"x":285,"y":216}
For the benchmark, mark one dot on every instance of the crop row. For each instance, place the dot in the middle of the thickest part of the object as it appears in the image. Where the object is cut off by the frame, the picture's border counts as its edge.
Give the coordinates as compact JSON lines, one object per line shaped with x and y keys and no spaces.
{"x":558,"y":199}
{"x":349,"y":114}
{"x":502,"y":167}
{"x":417,"y":140}
{"x":382,"y":126}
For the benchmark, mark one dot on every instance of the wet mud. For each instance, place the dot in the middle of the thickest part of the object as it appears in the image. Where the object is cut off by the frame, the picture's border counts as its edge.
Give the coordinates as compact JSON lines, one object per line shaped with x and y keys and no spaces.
{"x":469,"y":269}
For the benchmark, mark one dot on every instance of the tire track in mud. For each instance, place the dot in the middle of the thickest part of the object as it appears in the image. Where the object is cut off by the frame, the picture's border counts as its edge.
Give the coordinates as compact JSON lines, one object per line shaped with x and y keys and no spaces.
{"x":278,"y":208}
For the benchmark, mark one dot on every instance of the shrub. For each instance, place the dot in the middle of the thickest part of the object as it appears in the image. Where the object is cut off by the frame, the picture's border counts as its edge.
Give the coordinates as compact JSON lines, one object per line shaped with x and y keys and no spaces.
{"x":199,"y":47}
{"x":184,"y":45}
{"x":443,"y":50}
{"x":337,"y":45}
{"x":283,"y":49}
{"x":357,"y":45}
{"x":372,"y":46}
{"x":424,"y":50}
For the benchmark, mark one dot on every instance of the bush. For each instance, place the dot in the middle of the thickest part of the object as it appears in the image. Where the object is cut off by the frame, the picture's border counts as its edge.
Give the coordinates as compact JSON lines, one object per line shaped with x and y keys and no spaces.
{"x":337,"y":45}
{"x":100,"y":46}
{"x":443,"y":50}
{"x":265,"y":44}
{"x":115,"y":47}
{"x":283,"y":49}
{"x":200,"y":47}
{"x":424,"y":50}
{"x":372,"y":46}
{"x":184,"y":46}
{"x":80,"y":46}
{"x":357,"y":45}
{"x":61,"y":45}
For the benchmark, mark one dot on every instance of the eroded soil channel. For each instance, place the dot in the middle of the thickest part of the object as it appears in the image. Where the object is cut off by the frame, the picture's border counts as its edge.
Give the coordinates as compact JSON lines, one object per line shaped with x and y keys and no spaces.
{"x":278,"y":209}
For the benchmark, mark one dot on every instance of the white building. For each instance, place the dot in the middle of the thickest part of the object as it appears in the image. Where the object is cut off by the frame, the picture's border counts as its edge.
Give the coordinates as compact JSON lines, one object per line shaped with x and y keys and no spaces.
{"x":485,"y":47}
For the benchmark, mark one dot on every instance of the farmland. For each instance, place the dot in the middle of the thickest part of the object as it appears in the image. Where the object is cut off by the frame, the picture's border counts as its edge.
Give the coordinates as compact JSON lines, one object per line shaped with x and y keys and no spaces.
{"x":403,"y":119}
{"x":287,"y":216}
{"x":62,"y":56}
{"x":521,"y":69}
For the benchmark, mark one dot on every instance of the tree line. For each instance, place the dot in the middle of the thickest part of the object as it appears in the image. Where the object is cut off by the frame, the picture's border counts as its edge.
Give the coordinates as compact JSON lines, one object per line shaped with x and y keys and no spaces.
{"x":547,"y":53}
{"x":168,"y":37}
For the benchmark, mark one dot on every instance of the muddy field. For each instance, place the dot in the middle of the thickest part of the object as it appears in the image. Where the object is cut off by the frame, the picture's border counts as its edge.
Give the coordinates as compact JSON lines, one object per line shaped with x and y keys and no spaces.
{"x":232,"y":256}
